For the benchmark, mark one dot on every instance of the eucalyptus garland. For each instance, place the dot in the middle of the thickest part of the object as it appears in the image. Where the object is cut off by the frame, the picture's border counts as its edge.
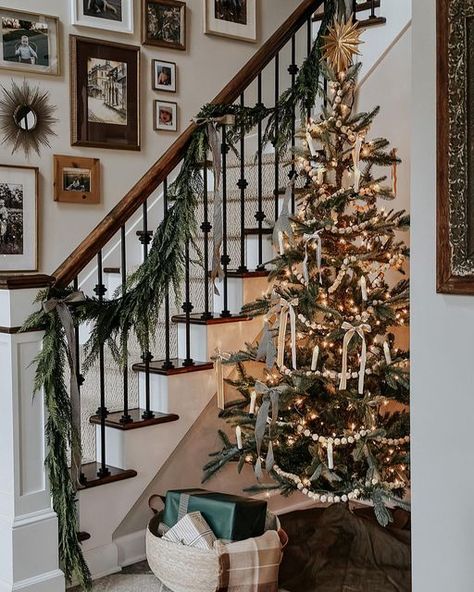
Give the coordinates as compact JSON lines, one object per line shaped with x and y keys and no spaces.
{"x":137,"y":307}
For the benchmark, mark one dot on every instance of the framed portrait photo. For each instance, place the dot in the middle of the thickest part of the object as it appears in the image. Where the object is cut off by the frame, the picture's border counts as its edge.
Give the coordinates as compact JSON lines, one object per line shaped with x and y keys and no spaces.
{"x":76,"y":179}
{"x":18,"y":218}
{"x":163,"y":76}
{"x":105,"y":100}
{"x":29,"y":42}
{"x":165,"y":116}
{"x":164,"y":23}
{"x":236,"y":19}
{"x":109,"y":15}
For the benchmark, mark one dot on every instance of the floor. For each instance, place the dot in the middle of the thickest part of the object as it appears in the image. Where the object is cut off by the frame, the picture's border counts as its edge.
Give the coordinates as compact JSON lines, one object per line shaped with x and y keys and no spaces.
{"x":137,"y":578}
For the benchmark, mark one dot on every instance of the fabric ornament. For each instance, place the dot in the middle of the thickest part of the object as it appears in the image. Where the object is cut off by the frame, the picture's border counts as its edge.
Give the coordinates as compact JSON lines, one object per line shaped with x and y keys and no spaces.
{"x":283,"y":224}
{"x":271,"y":399}
{"x":67,"y":321}
{"x":219,"y":370}
{"x":266,"y":348}
{"x":310,"y":239}
{"x":311,"y":145}
{"x":356,"y":161}
{"x":352,"y":330}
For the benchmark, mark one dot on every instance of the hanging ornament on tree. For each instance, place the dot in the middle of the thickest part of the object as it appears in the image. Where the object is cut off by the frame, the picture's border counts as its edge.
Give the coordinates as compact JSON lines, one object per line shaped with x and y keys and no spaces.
{"x":341,"y":44}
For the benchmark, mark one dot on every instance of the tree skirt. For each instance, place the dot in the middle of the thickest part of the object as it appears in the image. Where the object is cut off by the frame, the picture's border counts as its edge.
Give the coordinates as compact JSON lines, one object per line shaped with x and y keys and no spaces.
{"x":336,"y":550}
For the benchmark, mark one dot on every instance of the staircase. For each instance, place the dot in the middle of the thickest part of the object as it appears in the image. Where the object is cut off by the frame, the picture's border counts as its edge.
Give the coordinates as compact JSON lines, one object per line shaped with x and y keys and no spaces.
{"x":133,"y":420}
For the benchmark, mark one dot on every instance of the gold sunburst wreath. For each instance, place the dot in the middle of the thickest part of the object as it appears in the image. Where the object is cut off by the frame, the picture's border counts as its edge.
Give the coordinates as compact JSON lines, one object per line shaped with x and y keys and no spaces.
{"x":341,"y":44}
{"x":15,"y":104}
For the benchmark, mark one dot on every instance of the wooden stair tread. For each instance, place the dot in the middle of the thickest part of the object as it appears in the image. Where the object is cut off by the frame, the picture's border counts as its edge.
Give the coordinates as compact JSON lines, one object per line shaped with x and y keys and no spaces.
{"x":112,"y":270}
{"x":114,"y":419}
{"x":254,"y":273}
{"x":197,"y":319}
{"x":371,"y":22}
{"x":90,"y":471}
{"x":257,"y":231}
{"x":156,"y":367}
{"x":83,"y":536}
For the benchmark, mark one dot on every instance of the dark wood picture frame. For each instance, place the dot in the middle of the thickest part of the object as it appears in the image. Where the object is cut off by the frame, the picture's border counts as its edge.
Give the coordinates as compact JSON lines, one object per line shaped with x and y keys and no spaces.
{"x":105,"y":134}
{"x":147,"y":40}
{"x":455,"y":149}
{"x":82,"y":195}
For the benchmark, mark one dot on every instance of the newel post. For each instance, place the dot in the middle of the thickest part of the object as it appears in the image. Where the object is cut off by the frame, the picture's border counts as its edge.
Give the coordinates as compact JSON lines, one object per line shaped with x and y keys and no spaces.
{"x":28,"y":524}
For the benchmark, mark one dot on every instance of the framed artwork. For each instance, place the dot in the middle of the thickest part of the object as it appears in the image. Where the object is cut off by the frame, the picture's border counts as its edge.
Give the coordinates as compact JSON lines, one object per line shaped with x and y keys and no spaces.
{"x":166,"y":116}
{"x":236,"y":19}
{"x":105,"y":110}
{"x":18,"y":218}
{"x":108,"y":15}
{"x":76,"y":179}
{"x":163,"y":76}
{"x":455,"y":166}
{"x":164,"y":23}
{"x":29,"y":42}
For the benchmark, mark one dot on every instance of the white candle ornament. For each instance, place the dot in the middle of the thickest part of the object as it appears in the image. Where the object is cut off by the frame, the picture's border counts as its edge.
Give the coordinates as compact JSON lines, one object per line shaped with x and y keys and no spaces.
{"x":238,"y":433}
{"x":363,"y":288}
{"x":311,"y":145}
{"x":386,"y":351}
{"x":314,"y":361}
{"x":253,"y":401}
{"x":330,"y":456}
{"x":281,"y":243}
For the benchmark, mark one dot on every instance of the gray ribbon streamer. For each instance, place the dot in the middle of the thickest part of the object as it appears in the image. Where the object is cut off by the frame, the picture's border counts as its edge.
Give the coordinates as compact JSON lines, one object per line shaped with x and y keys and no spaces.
{"x":273,"y":401}
{"x":315,"y":237}
{"x":67,"y":321}
{"x":266,"y":348}
{"x":283,"y":224}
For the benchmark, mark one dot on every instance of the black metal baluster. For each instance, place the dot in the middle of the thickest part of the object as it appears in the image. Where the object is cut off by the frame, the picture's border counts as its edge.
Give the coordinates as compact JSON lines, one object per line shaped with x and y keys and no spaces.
{"x":309,"y":47}
{"x":372,"y":10}
{"x":188,"y":308}
{"x":260,"y":215}
{"x":325,"y":80}
{"x":206,"y":227}
{"x":126,"y":418}
{"x":354,"y":10}
{"x":293,"y":71}
{"x":275,"y":141}
{"x":146,"y":356}
{"x":225,"y":259}
{"x":102,"y":411}
{"x":242,"y":185}
{"x":80,"y":377}
{"x":167,"y":364}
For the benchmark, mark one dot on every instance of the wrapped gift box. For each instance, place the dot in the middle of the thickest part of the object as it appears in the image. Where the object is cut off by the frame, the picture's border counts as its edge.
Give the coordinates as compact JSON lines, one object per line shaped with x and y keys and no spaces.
{"x":231,"y":517}
{"x":192,"y":530}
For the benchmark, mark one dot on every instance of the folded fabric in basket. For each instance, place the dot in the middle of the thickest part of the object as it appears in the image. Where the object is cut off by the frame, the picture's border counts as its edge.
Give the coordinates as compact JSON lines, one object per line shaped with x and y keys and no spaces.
{"x":192,"y":530}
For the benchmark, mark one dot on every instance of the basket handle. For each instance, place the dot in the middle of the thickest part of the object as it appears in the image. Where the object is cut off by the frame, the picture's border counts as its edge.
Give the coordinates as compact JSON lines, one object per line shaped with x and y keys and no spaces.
{"x":152,"y":498}
{"x":283,"y":538}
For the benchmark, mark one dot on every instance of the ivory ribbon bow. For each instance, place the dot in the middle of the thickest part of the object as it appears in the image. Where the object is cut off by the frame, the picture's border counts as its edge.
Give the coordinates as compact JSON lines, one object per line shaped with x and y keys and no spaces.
{"x":271,"y":396}
{"x":352,"y":330}
{"x":356,"y":161}
{"x":312,"y":238}
{"x":213,"y":139}
{"x":285,"y":308}
{"x":60,"y":305}
{"x":219,"y":370}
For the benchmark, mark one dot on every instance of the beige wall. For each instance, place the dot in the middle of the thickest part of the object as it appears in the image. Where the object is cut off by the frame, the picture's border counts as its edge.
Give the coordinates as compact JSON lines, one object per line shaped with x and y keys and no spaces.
{"x":207,"y":65}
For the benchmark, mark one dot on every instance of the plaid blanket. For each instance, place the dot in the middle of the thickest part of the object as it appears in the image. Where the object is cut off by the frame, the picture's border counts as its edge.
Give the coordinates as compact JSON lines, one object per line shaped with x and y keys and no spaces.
{"x":251,"y":565}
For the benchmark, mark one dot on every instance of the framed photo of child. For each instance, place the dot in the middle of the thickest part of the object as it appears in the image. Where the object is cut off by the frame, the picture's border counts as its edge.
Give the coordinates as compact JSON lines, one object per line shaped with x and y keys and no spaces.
{"x":164,"y":23}
{"x":109,"y":15}
{"x":166,"y":116}
{"x":29,"y":42}
{"x":236,"y":19}
{"x":76,"y":179}
{"x":163,"y":75}
{"x":18,"y":218}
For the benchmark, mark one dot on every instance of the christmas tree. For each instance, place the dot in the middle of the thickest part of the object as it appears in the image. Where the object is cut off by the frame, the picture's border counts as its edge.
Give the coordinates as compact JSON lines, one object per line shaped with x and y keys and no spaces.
{"x":323,"y":396}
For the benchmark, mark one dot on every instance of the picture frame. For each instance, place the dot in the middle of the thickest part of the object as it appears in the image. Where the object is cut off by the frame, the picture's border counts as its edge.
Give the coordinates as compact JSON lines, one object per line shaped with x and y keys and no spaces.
{"x":455,"y":150}
{"x":108,"y":15}
{"x":18,"y":218}
{"x":164,"y":23}
{"x":164,"y":76}
{"x":105,"y":97}
{"x":30,"y":42}
{"x":234,"y":19}
{"x":165,"y":116}
{"x":76,"y":179}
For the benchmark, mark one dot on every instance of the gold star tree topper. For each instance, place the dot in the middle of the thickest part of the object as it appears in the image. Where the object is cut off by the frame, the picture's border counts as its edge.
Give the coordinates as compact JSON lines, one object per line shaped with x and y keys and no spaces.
{"x":342,"y":43}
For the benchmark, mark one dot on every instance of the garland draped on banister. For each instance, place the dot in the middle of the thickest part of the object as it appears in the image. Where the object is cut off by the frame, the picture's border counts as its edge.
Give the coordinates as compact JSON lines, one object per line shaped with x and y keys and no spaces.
{"x":137,"y":308}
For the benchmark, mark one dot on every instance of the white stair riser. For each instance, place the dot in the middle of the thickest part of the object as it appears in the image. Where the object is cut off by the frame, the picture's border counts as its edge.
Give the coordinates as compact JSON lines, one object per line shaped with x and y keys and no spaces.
{"x":239,"y":292}
{"x":252,"y":247}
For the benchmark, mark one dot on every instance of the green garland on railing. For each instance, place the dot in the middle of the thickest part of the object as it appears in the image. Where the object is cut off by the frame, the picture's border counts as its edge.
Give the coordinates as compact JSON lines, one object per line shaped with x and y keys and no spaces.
{"x":137,"y":309}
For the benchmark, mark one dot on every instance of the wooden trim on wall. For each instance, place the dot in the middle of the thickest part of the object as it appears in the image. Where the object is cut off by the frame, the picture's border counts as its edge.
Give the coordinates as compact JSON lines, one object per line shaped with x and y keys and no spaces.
{"x":25,"y":281}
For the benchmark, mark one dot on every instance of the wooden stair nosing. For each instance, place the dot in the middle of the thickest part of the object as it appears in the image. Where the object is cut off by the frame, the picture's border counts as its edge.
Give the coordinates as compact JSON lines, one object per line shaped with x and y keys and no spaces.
{"x":90,"y":471}
{"x":156,"y":367}
{"x":113,"y":420}
{"x":197,"y":319}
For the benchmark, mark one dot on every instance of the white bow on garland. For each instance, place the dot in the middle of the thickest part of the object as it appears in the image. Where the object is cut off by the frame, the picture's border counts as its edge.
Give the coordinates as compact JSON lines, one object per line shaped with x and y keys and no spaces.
{"x":352,"y":330}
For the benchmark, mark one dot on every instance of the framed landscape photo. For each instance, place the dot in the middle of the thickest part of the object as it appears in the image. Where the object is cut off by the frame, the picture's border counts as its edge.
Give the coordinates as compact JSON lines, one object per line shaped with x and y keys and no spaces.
{"x":18,"y":218}
{"x":236,"y":19}
{"x":109,"y":15}
{"x":105,"y":105}
{"x":29,"y":42}
{"x":163,"y":76}
{"x":166,"y":116}
{"x":164,"y":23}
{"x":76,"y":179}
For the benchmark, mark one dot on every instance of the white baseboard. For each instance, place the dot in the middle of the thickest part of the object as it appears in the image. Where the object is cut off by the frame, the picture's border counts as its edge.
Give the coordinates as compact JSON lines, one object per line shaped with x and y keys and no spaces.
{"x":52,"y":581}
{"x":131,"y":548}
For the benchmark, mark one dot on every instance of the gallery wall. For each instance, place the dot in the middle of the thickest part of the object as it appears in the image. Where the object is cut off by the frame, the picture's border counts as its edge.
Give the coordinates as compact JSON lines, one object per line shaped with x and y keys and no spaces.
{"x":203,"y":69}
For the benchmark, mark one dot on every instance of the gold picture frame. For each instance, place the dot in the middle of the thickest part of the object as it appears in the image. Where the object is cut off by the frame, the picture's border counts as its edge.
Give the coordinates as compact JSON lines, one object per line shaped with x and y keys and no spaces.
{"x":76,"y":179}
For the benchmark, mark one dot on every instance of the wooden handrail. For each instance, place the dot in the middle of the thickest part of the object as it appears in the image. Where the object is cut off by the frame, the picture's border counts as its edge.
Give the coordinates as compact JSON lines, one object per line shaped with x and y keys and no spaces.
{"x":155,"y":176}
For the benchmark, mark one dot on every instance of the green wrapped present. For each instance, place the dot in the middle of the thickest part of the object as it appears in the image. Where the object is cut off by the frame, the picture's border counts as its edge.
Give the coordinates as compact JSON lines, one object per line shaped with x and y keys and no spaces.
{"x":231,"y":518}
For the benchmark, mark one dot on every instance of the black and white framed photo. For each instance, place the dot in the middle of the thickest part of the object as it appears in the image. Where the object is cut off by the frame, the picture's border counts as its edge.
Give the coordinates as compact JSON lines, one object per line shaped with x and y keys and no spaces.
{"x":18,"y":218}
{"x":105,"y":95}
{"x":29,"y":42}
{"x":236,"y":19}
{"x":163,"y":75}
{"x":164,"y":23}
{"x":109,"y":15}
{"x":166,"y":116}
